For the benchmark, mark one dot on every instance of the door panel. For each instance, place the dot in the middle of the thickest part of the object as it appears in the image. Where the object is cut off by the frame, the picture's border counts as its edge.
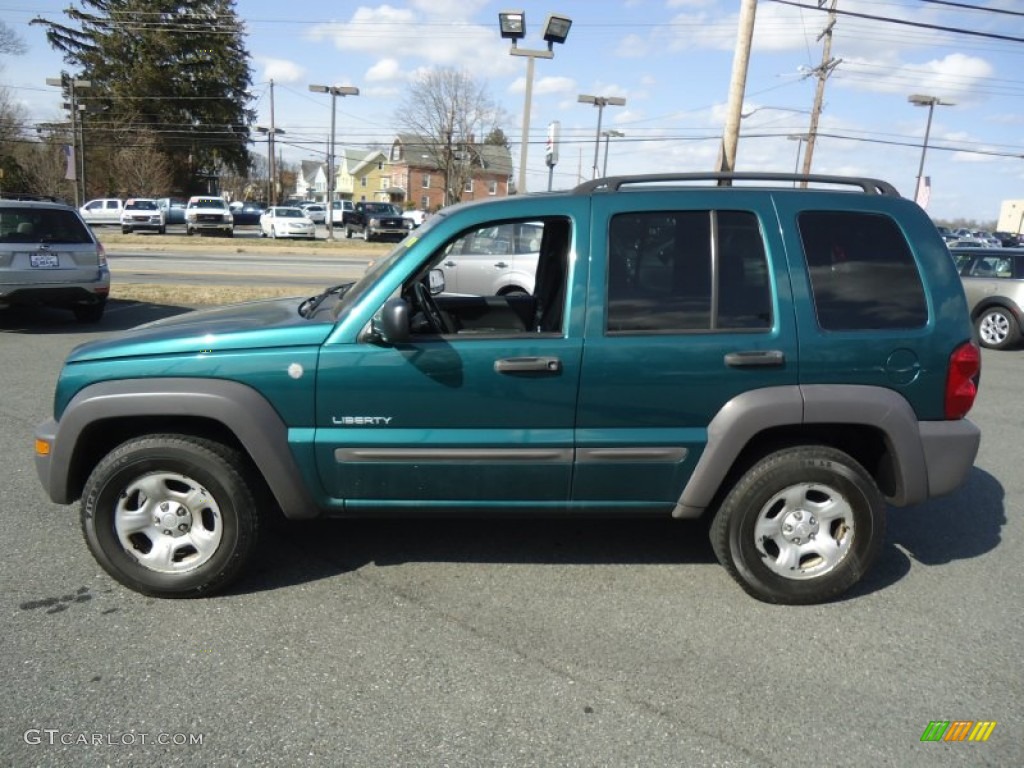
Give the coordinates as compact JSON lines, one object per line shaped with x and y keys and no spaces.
{"x":680,"y":338}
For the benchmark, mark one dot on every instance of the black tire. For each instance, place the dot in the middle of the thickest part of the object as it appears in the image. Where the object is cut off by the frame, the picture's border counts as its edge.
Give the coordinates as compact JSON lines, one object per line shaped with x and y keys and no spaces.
{"x":162,"y":231}
{"x":348,"y":233}
{"x":787,"y":496}
{"x":189,"y":231}
{"x":205,"y":521}
{"x":126,"y":230}
{"x":89,"y":313}
{"x":997,"y":328}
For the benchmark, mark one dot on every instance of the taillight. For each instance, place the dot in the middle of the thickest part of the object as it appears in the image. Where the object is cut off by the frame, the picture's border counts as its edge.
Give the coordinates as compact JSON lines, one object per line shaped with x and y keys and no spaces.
{"x":962,"y":380}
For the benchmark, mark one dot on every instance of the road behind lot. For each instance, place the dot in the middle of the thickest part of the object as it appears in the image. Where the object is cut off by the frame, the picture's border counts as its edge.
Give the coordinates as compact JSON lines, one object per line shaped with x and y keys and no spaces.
{"x":518,"y":643}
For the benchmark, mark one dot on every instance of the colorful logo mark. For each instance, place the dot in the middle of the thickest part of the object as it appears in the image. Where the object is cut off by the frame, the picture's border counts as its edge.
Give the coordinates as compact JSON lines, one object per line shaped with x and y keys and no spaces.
{"x":958,"y":730}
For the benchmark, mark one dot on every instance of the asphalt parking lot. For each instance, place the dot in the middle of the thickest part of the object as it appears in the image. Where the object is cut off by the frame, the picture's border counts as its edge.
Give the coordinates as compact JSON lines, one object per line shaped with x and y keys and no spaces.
{"x":506,"y":643}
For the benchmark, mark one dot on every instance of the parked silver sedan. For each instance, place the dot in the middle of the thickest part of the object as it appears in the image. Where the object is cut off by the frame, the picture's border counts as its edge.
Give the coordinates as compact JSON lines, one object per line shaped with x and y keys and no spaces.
{"x":285,"y":221}
{"x":317,"y":212}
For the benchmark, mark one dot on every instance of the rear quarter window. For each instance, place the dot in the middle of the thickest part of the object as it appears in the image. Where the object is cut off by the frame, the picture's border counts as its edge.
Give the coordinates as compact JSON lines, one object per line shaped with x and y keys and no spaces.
{"x":863,"y":274}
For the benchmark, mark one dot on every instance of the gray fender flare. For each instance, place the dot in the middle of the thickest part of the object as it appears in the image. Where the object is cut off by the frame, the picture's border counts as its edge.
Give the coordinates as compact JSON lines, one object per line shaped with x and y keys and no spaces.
{"x":241,"y":409}
{"x":750,"y":413}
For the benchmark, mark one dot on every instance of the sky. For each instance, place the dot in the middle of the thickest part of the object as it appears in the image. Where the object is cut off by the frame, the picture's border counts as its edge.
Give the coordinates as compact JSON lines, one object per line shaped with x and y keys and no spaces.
{"x":671,"y":60}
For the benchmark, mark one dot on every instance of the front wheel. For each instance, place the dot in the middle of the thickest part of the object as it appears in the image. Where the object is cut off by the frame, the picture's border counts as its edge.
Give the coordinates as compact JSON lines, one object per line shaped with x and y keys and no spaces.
{"x":171,"y":515}
{"x":801,"y":526}
{"x":997,"y":328}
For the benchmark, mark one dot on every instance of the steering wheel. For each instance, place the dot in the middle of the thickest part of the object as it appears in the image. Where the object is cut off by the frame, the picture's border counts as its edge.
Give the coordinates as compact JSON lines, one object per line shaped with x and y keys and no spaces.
{"x":436,"y":319}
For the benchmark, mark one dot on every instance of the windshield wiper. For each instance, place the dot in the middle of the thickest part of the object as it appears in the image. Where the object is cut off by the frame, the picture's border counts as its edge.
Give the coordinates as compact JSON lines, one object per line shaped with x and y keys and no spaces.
{"x":308,"y":307}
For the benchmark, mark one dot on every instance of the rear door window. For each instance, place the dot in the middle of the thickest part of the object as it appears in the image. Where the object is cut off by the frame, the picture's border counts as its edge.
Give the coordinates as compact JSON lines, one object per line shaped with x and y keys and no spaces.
{"x":687,"y":271}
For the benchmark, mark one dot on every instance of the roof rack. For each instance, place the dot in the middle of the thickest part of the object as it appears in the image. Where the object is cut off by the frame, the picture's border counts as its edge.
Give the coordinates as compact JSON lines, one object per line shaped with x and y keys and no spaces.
{"x":614,"y":183}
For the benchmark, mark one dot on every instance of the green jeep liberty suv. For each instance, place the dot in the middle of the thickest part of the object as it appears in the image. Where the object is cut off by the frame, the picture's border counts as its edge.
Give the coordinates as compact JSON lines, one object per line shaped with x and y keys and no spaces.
{"x":785,"y":360}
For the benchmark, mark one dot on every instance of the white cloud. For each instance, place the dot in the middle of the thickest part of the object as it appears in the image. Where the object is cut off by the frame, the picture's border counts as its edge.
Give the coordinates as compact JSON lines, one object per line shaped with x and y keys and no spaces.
{"x":955,"y":77}
{"x":384,"y":70}
{"x":457,"y":9}
{"x":281,"y":70}
{"x":632,"y":46}
{"x":545,"y":86}
{"x":440,"y":40}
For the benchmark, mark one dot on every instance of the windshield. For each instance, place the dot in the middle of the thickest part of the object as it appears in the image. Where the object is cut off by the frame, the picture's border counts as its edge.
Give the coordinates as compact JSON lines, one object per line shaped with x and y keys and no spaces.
{"x":141,"y":205}
{"x":386,"y":208}
{"x":206,"y":202}
{"x":381,"y":266}
{"x":288,"y":213}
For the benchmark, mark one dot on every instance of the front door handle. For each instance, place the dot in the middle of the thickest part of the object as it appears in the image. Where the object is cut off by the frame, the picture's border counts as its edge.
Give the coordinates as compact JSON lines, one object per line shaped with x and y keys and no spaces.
{"x":755,"y":358}
{"x":528,"y":365}
{"x":501,"y":265}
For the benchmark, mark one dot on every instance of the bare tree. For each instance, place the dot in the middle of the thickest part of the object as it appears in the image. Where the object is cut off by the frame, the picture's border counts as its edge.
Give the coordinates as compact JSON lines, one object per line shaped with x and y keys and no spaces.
{"x":44,"y":166}
{"x":10,"y":43}
{"x":447,"y":109}
{"x":141,"y":168}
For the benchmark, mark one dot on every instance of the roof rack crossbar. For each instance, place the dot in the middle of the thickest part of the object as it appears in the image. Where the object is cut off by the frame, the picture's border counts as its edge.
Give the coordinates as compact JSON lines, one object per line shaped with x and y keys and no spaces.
{"x":614,"y":183}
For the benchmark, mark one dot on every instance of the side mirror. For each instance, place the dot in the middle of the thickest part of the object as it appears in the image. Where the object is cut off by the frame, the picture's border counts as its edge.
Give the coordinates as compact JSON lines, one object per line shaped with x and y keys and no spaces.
{"x":435,"y":281}
{"x":391,"y":324}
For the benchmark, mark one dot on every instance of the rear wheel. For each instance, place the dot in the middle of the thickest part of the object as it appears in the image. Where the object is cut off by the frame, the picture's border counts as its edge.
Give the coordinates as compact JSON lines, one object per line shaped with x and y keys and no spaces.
{"x":801,"y":526}
{"x":171,"y":515}
{"x":997,"y":328}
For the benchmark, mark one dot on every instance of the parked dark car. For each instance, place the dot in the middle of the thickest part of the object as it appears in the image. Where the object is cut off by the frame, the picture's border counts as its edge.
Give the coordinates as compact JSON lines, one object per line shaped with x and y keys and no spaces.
{"x":1008,"y":239}
{"x":248,"y":213}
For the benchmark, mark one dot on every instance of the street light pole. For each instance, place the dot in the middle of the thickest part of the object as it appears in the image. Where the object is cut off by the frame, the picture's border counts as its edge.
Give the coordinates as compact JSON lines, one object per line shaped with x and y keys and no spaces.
{"x":271,"y":161}
{"x":71,"y":84}
{"x":600,"y":102}
{"x":513,"y":27}
{"x":335,"y":91}
{"x":919,"y":100}
{"x":607,"y":135}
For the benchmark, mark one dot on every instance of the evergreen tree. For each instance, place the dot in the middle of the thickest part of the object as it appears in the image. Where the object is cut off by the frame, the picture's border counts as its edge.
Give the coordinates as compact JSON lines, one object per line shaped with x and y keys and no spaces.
{"x":178,"y":69}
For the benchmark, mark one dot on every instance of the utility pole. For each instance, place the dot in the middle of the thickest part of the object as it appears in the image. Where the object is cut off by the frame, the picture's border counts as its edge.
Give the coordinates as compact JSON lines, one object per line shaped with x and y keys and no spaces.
{"x":737,"y":86}
{"x":822,"y":71}
{"x":270,"y":150}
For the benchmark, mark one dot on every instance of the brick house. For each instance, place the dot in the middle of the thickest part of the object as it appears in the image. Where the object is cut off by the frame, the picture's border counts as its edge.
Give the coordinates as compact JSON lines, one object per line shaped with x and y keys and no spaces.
{"x":415,"y":170}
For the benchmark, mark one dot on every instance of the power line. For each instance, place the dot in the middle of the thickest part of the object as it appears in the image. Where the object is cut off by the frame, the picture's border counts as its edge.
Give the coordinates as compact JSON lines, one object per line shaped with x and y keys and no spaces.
{"x":917,"y":24}
{"x":969,"y":7}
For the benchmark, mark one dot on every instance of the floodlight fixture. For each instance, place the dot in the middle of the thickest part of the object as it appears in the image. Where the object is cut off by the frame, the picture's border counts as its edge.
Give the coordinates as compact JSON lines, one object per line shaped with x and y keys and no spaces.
{"x":556,"y":29}
{"x":513,"y":25}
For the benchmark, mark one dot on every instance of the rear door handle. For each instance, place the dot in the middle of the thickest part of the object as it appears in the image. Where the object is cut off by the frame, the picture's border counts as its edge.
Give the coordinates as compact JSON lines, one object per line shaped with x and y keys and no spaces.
{"x":528,"y":365}
{"x":755,"y":358}
{"x":501,"y":265}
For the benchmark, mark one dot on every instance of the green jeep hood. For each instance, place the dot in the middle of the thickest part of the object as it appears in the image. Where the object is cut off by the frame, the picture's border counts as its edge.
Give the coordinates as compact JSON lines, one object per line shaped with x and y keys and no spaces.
{"x":253,"y":325}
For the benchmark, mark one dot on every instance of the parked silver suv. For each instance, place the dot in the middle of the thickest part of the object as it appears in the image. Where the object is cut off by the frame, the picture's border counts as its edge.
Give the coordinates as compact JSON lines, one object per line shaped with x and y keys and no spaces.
{"x":49,"y":256}
{"x":994,"y":283}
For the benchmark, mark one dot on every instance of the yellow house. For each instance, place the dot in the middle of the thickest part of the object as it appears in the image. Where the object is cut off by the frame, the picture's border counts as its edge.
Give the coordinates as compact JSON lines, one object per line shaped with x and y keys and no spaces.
{"x":367,"y":177}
